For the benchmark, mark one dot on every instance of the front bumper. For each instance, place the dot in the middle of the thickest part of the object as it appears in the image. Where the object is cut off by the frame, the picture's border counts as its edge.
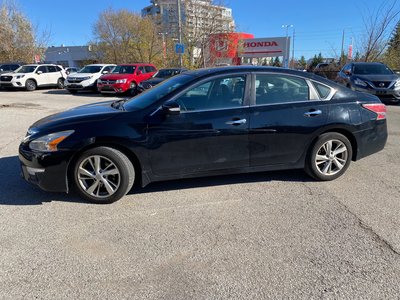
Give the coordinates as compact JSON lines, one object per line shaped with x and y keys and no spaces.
{"x":83,"y":85}
{"x":45,"y":170}
{"x":12,"y":84}
{"x":384,"y":93}
{"x":116,"y":88}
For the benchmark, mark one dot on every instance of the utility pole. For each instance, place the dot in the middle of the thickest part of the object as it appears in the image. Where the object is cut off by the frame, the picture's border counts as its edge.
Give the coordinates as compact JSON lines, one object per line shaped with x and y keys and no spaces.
{"x":180,"y":31}
{"x":342,"y":52}
{"x":294,"y":35}
{"x":286,"y":57}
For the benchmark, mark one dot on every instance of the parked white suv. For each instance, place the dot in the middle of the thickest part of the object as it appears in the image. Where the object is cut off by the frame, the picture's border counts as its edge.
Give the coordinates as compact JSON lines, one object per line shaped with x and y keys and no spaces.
{"x":32,"y":76}
{"x":86,"y":78}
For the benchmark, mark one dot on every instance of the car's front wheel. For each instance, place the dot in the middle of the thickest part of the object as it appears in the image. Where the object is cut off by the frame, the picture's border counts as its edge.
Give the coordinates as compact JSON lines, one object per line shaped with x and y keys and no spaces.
{"x":103,"y":175}
{"x":329,"y":157}
{"x":132,"y":89}
{"x":30,"y":85}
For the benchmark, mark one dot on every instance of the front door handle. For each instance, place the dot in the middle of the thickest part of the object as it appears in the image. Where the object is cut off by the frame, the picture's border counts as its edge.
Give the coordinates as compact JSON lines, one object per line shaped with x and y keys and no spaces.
{"x":237,"y":122}
{"x":313,"y":113}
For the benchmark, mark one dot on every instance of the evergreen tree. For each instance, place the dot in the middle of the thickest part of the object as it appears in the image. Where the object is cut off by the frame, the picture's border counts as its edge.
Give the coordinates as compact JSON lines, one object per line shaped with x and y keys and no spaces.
{"x":302,"y":62}
{"x":392,"y":55}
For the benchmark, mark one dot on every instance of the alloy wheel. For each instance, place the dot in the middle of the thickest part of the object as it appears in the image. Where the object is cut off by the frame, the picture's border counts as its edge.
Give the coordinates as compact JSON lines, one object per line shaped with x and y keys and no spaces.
{"x":98,"y":176}
{"x":331,"y":157}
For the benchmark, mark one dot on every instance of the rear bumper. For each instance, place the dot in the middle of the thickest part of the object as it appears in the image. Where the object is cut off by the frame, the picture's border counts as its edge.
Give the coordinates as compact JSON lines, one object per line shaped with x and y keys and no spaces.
{"x":371,"y":140}
{"x":48,"y":171}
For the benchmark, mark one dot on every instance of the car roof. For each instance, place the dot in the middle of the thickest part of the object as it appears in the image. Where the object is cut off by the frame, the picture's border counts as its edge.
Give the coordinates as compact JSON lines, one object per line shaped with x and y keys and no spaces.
{"x":100,"y":65}
{"x":367,"y":63}
{"x":136,"y":64}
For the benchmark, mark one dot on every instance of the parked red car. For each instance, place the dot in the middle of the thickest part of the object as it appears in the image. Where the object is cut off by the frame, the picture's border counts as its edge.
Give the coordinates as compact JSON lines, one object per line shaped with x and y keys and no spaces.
{"x":125,"y":78}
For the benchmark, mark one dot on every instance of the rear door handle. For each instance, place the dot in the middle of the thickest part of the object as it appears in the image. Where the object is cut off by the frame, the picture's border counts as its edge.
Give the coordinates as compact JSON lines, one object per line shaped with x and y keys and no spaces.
{"x":236,"y":122}
{"x":313,"y":113}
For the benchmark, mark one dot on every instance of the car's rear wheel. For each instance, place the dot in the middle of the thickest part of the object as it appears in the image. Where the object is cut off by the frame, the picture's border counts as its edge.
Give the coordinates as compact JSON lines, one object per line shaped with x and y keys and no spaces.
{"x":60,"y":83}
{"x":103,"y":175}
{"x":30,"y":85}
{"x":329,"y":157}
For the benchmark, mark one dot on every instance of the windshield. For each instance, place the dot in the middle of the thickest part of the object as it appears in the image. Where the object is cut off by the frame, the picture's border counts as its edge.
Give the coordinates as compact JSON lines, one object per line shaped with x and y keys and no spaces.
{"x":26,"y":69}
{"x":124,"y":70}
{"x":156,"y":93}
{"x":90,"y":69}
{"x":366,"y":69}
{"x":166,"y":73}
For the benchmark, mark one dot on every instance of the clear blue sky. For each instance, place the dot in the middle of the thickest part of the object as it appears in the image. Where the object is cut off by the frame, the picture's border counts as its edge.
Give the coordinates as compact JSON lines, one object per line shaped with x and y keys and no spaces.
{"x":318,"y":23}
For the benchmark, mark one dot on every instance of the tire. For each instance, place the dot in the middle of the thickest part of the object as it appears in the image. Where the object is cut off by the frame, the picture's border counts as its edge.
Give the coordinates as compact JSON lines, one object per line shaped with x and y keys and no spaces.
{"x":60,"y":83}
{"x":90,"y":181}
{"x":322,"y":163}
{"x":73,"y":92}
{"x":94,"y":88}
{"x":30,"y":85}
{"x":132,"y":89}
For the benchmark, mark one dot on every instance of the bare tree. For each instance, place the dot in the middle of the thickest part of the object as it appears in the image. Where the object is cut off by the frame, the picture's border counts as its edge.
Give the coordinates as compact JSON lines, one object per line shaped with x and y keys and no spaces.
{"x":378,"y":26}
{"x":125,"y":37}
{"x":19,"y":39}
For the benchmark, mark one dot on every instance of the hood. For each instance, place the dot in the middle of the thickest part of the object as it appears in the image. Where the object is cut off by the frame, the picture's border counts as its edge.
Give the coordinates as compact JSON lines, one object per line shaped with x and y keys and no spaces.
{"x":376,"y":77}
{"x":81,"y":75}
{"x":86,"y":113}
{"x":115,"y":76}
{"x":154,"y":81}
{"x":13,"y":73}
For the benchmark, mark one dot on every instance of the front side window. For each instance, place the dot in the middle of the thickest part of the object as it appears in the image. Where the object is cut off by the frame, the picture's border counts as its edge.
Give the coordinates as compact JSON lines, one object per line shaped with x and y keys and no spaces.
{"x":219,"y":93}
{"x":141,"y":69}
{"x":124,"y":70}
{"x":277,"y":88}
{"x":90,"y":69}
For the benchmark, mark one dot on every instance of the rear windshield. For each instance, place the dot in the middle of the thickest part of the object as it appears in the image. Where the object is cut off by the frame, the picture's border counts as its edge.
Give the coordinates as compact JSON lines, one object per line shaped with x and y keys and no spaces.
{"x":156,"y":93}
{"x":166,"y":73}
{"x":90,"y":69}
{"x":366,"y":69}
{"x":26,"y":69}
{"x":124,"y":69}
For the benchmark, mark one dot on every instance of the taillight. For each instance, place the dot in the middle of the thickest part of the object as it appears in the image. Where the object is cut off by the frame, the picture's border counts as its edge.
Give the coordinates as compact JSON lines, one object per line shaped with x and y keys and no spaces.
{"x":378,"y":108}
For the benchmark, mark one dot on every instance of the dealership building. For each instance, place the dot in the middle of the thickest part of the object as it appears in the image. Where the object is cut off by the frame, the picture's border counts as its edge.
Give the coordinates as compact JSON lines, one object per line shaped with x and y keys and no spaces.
{"x":68,"y":56}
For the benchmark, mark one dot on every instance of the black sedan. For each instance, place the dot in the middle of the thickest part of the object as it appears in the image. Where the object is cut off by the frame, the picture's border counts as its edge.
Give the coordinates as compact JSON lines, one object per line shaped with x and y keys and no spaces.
{"x":160,"y":76}
{"x":201,"y":123}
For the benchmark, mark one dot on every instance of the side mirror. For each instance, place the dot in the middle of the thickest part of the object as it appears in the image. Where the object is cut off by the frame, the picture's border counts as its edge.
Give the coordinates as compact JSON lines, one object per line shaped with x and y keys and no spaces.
{"x":171,"y":108}
{"x":348,"y":73}
{"x":39,"y":72}
{"x":139,"y":72}
{"x":1,"y":70}
{"x":104,"y":72}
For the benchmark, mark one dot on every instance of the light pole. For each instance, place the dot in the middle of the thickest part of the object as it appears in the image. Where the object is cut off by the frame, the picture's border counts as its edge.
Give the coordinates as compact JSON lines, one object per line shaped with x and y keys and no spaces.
{"x":180,"y":31}
{"x":287,"y":26}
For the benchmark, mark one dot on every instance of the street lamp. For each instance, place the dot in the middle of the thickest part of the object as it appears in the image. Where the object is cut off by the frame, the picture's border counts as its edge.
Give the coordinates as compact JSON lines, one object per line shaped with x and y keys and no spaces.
{"x":287,"y":26}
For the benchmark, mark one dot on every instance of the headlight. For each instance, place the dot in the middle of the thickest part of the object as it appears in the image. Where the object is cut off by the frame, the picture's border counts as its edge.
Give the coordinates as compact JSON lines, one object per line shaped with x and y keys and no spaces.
{"x":121,"y":81}
{"x":19,"y":76}
{"x":397,"y":84}
{"x":49,"y":143}
{"x":360,"y":82}
{"x":99,"y":81}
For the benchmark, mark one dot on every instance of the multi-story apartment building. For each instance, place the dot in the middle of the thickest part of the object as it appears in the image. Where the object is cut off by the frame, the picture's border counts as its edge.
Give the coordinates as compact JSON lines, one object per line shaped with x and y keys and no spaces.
{"x":198,"y":17}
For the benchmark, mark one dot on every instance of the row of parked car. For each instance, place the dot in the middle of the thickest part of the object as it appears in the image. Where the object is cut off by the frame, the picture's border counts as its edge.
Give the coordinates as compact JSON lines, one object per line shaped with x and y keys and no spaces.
{"x":105,"y":78}
{"x":370,"y":77}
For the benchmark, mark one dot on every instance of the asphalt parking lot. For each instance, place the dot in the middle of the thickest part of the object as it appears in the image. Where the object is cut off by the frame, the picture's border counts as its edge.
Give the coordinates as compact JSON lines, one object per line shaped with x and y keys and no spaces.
{"x":254,"y":236}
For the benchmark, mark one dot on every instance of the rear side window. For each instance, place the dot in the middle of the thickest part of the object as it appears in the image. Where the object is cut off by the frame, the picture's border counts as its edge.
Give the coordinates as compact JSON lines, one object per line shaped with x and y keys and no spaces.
{"x":149,"y":69}
{"x":277,"y":88}
{"x":322,"y":89}
{"x":52,"y":69}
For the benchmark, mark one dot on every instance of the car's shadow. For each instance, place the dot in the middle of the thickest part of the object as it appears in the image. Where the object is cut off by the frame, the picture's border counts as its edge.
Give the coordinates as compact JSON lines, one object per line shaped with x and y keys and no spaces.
{"x":64,"y":92}
{"x":15,"y":191}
